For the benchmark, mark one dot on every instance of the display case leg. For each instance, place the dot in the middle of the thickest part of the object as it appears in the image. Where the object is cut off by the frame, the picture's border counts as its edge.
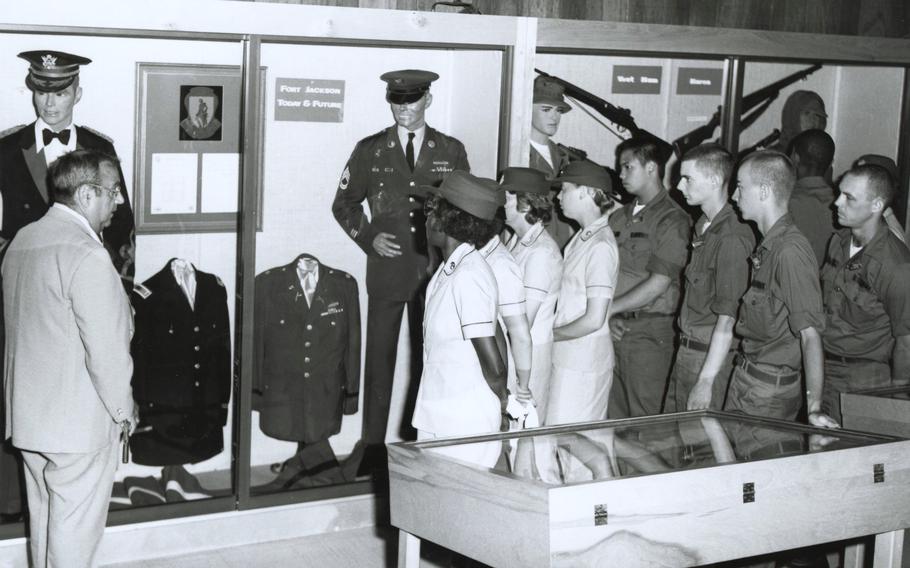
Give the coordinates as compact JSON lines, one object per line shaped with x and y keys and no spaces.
{"x":408,"y":550}
{"x":854,"y":554}
{"x":888,"y":549}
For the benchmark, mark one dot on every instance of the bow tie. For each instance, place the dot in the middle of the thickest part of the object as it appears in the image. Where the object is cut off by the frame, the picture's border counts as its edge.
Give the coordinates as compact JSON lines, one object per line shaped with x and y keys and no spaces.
{"x":63,"y":136}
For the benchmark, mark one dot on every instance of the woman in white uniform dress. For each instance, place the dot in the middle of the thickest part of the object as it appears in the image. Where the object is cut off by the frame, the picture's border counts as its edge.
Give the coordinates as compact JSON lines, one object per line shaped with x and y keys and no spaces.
{"x":528,"y":209}
{"x":463,"y":386}
{"x":583,"y":350}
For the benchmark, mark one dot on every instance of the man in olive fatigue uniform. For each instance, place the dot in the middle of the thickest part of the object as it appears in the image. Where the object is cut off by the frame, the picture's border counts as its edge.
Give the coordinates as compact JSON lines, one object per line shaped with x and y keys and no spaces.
{"x":386,"y":169}
{"x":549,"y":104}
{"x":781,"y":315}
{"x":716,"y":278}
{"x":866,"y":296}
{"x":652,"y":234}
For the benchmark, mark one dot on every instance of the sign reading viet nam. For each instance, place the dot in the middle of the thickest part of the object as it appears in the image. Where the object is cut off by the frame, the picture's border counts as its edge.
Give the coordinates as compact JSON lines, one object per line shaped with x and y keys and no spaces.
{"x":636,"y":79}
{"x":699,"y":81}
{"x":309,"y":100}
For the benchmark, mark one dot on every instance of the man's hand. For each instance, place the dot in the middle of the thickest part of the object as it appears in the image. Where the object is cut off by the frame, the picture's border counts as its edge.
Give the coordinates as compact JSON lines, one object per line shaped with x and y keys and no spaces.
{"x":821,"y":419}
{"x":618,"y":328}
{"x":700,"y":397}
{"x":384,"y":244}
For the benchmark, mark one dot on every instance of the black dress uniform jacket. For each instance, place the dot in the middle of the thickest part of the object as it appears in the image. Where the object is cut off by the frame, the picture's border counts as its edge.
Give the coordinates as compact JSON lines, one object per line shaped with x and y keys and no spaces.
{"x":23,"y":186}
{"x":378,"y":172}
{"x":306,"y":358}
{"x":182,"y":369}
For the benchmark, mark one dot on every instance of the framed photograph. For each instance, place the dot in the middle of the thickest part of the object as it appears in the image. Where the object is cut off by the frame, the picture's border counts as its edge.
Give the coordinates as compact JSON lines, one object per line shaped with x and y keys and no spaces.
{"x":187,"y":174}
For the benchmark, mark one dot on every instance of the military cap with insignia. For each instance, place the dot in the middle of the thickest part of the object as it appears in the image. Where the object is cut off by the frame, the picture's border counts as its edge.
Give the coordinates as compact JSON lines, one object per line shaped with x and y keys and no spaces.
{"x":52,"y":71}
{"x":407,"y":85}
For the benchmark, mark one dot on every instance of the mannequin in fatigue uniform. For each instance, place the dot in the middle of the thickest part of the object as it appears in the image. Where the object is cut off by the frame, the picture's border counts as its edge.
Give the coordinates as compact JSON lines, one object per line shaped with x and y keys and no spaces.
{"x":386,"y":169}
{"x":549,"y":104}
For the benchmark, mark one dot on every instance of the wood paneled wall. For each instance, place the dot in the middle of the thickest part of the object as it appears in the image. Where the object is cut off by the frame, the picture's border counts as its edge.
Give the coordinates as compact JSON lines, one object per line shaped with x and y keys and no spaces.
{"x":876,"y":18}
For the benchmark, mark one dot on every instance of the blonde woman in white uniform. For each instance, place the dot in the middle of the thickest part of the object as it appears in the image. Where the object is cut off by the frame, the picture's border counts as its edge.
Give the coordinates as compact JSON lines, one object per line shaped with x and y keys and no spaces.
{"x":463,"y":385}
{"x":582,"y":350}
{"x":529,"y":208}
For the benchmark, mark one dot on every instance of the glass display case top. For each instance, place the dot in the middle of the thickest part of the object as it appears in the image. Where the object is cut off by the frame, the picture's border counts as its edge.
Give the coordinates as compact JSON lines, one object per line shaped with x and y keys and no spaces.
{"x":565,"y":455}
{"x":894,"y":393}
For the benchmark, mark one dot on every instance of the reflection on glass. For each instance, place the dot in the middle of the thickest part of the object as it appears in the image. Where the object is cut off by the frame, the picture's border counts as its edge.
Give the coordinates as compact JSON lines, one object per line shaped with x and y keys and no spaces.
{"x":669,"y":443}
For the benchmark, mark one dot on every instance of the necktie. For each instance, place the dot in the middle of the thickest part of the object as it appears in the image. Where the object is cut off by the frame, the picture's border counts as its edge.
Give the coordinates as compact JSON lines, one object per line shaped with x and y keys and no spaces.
{"x":408,"y":151}
{"x":309,"y":287}
{"x":189,"y":286}
{"x":64,"y":136}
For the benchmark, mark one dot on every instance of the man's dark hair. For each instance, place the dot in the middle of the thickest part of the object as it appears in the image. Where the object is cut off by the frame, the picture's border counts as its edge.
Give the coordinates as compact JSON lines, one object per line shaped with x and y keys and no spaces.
{"x":878,"y":181}
{"x":712,"y":159}
{"x":645,"y":151}
{"x":462,"y":226}
{"x":815,"y":149}
{"x":535,"y":206}
{"x":74,"y":169}
{"x":773,"y":169}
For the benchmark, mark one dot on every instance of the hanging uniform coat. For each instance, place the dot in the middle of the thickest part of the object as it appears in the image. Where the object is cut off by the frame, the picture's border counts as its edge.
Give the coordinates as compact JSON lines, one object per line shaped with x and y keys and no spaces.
{"x":306,"y":358}
{"x":181,"y":369}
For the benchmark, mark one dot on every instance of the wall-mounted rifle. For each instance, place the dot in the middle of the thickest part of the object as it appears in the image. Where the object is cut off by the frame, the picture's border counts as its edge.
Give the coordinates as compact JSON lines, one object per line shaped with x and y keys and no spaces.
{"x":621,"y":117}
{"x":754,"y":104}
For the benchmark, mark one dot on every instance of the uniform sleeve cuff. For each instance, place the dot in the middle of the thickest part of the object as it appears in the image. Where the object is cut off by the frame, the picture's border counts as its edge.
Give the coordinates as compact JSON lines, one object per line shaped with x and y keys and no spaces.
{"x":479,"y":329}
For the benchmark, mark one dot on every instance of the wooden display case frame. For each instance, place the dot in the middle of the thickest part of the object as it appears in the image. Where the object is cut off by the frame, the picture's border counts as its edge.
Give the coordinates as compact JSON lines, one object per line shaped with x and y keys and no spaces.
{"x":686,"y":517}
{"x":874,"y":410}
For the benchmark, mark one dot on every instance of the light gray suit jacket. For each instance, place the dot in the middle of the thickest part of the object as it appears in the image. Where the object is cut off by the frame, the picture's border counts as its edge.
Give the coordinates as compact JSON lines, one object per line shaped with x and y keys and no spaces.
{"x":68,"y":328}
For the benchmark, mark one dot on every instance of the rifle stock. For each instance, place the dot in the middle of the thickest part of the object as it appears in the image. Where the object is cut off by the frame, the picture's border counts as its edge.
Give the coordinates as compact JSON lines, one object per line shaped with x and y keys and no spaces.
{"x":762,"y":96}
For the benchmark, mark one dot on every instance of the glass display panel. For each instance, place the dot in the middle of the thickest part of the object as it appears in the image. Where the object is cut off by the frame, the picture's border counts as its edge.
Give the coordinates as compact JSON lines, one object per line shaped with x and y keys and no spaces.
{"x":664,"y":96}
{"x":859,"y":107}
{"x":894,"y":393}
{"x":180,"y":284}
{"x":598,"y":451}
{"x":314,"y":283}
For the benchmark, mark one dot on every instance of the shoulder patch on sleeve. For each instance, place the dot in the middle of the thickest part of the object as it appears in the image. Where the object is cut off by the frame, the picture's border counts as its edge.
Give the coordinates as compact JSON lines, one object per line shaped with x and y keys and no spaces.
{"x":220,"y":283}
{"x":99,"y":134}
{"x":345,"y":179}
{"x":142,"y":291}
{"x":11,"y":130}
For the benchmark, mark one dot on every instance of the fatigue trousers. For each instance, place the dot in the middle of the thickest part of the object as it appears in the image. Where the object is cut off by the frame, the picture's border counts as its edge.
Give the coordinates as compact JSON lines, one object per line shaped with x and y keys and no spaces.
{"x":757,"y":397}
{"x":845,"y":377}
{"x":642,"y":368}
{"x":686,"y":368}
{"x":68,"y":497}
{"x":383,"y":327}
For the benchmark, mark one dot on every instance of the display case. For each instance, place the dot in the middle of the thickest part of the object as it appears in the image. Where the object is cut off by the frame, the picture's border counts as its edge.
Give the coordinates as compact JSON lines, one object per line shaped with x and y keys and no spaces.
{"x":884,"y":410}
{"x":664,"y":490}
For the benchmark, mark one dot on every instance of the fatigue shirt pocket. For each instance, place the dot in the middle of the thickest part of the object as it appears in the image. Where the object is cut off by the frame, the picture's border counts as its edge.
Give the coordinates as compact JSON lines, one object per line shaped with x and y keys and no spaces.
{"x":638,"y":247}
{"x":756,"y":316}
{"x":860,"y":303}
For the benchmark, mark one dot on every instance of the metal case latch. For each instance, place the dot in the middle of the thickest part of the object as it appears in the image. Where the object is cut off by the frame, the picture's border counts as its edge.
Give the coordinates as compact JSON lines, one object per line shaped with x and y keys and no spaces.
{"x":600,"y":515}
{"x":748,"y":492}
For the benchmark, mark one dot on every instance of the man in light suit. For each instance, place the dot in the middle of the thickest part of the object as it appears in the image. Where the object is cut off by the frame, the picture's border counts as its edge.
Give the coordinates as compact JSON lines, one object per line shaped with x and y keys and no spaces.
{"x":65,"y":411}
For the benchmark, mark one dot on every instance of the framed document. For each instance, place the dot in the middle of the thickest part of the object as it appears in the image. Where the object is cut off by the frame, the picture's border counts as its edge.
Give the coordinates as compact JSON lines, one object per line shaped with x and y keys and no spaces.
{"x":187,"y":174}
